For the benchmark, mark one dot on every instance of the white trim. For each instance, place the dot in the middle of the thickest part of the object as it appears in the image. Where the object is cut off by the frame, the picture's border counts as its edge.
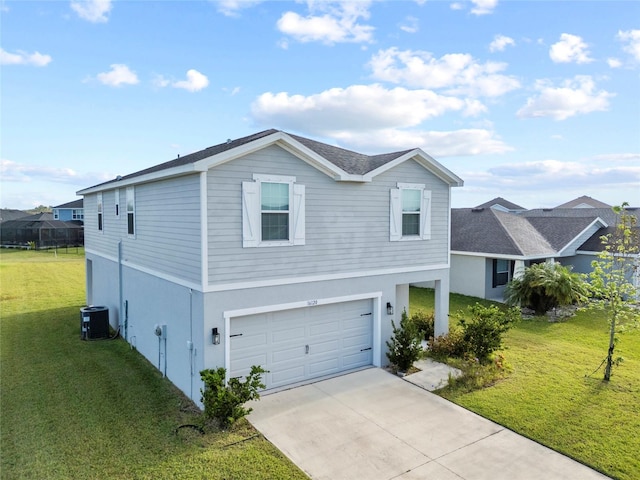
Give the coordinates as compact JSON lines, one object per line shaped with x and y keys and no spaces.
{"x":100,"y":212}
{"x":260,"y":177}
{"x":309,"y":303}
{"x":505,"y":257}
{"x":411,"y":186}
{"x":149,"y":271}
{"x":320,"y":278}
{"x":149,"y":177}
{"x":116,"y":193}
{"x":426,"y":161}
{"x":204,"y":230}
{"x":267,"y":283}
{"x":603,"y":224}
{"x":130,"y":194}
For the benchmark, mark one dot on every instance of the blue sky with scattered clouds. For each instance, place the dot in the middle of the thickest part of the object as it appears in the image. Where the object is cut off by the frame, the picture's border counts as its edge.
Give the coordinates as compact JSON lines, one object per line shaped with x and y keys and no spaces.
{"x":534,"y":101}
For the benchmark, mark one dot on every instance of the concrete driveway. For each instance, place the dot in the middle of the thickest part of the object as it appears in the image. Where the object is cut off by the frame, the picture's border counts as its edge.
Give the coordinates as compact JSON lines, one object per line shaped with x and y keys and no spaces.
{"x":373,"y":425}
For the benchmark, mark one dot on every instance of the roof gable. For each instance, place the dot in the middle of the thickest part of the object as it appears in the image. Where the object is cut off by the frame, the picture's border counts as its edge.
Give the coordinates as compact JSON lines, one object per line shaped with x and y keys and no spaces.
{"x":73,"y":204}
{"x":501,"y":202}
{"x":584,"y":202}
{"x":336,"y":162}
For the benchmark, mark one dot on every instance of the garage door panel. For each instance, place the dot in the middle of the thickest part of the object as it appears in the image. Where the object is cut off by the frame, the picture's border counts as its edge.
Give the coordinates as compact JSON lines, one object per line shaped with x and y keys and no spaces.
{"x":339,"y":337}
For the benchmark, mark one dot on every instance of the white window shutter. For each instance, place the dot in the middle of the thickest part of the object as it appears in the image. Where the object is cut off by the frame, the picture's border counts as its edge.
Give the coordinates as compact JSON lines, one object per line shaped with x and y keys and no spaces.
{"x":298,"y":214}
{"x":395,"y":216}
{"x":425,"y":215}
{"x":250,"y":214}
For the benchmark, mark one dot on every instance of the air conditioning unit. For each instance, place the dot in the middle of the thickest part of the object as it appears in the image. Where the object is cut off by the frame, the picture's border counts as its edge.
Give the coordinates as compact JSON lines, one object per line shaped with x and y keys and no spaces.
{"x":94,"y":323}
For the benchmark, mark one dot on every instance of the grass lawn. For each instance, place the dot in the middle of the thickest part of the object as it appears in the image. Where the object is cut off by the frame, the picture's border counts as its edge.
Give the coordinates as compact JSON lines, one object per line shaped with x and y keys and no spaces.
{"x":78,"y":409}
{"x":551,"y":395}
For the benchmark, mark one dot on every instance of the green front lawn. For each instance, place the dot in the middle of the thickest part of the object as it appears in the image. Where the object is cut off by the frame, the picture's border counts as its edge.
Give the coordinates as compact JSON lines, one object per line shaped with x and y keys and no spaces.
{"x":78,"y":409}
{"x":551,"y":394}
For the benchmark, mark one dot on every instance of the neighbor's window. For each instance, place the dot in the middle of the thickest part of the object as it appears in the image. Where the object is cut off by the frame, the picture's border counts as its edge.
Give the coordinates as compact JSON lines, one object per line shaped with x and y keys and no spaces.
{"x":77,"y":214}
{"x":131,"y":211}
{"x":274,"y":207}
{"x":100,"y":211}
{"x":56,"y":214}
{"x":500,"y":272}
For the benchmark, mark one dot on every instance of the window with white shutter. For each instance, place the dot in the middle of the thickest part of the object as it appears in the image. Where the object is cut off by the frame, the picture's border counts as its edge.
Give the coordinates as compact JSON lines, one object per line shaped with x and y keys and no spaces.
{"x":410,"y":212}
{"x":273,"y":212}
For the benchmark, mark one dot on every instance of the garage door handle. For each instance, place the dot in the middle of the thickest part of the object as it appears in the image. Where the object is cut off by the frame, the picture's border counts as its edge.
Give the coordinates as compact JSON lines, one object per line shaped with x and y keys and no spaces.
{"x":306,"y":349}
{"x":365,"y":349}
{"x":236,"y":335}
{"x":364,"y":314}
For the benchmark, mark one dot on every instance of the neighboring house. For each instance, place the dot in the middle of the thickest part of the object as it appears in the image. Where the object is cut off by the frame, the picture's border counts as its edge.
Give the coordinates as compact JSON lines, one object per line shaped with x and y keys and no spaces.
{"x":11,"y":214}
{"x":272,"y":250}
{"x":70,"y":211}
{"x":490,"y":246}
{"x":42,"y":229}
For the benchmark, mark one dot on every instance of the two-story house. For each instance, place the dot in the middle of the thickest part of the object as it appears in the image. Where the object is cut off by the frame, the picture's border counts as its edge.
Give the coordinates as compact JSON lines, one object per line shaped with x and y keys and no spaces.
{"x":271,"y":250}
{"x":70,"y":211}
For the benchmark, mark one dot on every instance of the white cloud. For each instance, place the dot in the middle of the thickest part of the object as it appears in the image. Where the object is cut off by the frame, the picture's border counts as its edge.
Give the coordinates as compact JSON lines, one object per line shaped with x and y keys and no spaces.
{"x":22,"y":173}
{"x":231,"y":8}
{"x":96,"y":11}
{"x":36,"y":59}
{"x":483,"y":7}
{"x":356,"y":108}
{"x":455,"y":143}
{"x":456,"y":6}
{"x":460,"y":73}
{"x":500,"y":42}
{"x":614,"y":62}
{"x":195,"y":81}
{"x":631,"y":39}
{"x":570,"y":48}
{"x":410,"y":25}
{"x":118,"y":75}
{"x":335,"y":22}
{"x":576,"y":96}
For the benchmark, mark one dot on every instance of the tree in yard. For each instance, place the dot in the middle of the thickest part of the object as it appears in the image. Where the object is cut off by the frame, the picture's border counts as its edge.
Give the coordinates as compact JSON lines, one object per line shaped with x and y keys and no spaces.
{"x":545,"y":286}
{"x":611,"y":280}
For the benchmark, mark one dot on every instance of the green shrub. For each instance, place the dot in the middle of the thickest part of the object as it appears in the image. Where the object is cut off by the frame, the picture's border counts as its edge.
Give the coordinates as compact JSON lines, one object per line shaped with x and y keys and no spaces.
{"x":404,"y":346}
{"x":449,"y":345}
{"x":424,"y":323}
{"x":482,"y":331}
{"x":225,"y":403}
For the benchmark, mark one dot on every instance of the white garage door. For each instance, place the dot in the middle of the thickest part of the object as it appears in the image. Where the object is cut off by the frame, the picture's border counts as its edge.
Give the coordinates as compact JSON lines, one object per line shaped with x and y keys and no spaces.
{"x":303,"y":343}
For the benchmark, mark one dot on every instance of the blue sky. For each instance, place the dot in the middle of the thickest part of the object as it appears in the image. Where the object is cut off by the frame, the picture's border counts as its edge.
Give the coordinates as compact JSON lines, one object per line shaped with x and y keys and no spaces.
{"x":534,"y":101}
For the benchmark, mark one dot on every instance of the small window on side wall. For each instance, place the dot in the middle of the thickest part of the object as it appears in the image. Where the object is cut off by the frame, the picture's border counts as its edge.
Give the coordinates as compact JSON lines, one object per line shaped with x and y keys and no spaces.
{"x":131,"y":211}
{"x":410,"y":212}
{"x":100,"y":211}
{"x":117,"y":203}
{"x":500,"y":272}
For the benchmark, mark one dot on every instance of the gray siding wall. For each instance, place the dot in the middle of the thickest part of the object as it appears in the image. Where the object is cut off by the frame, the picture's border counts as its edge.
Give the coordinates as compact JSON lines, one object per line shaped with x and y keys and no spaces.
{"x":347,"y":224}
{"x":167,"y":227}
{"x":468,"y":275}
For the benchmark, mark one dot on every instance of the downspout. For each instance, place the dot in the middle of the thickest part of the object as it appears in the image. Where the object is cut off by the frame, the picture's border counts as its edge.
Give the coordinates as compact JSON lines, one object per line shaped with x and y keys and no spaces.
{"x":121,"y":325}
{"x":191,"y":349}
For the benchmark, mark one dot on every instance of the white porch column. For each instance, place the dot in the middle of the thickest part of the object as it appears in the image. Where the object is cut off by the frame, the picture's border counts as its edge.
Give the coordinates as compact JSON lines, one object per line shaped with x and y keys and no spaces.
{"x":402,"y":302}
{"x":441,"y":326}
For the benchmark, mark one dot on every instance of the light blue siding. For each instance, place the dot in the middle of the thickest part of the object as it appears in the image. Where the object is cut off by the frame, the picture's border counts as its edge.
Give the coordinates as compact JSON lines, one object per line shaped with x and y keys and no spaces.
{"x":347,"y":224}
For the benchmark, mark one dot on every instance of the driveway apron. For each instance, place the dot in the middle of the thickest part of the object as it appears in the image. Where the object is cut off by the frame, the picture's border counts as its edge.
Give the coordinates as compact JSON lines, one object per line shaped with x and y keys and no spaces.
{"x":372,"y":425}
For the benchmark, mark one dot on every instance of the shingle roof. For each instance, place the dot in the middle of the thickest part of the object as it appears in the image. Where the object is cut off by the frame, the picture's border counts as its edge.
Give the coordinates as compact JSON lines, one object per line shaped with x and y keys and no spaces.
{"x":501,"y":201}
{"x":485,"y":230}
{"x":7,"y":214}
{"x":73,"y":204}
{"x":349,"y":161}
{"x":584,"y":200}
{"x":38,"y":221}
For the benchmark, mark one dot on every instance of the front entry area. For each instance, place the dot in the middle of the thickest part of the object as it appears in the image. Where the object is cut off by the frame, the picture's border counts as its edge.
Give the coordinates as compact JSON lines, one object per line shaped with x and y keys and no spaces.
{"x":300,"y":344}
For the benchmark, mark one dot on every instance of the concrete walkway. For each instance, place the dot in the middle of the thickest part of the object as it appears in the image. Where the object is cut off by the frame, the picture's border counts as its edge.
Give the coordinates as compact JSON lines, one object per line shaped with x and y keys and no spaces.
{"x":372,"y":425}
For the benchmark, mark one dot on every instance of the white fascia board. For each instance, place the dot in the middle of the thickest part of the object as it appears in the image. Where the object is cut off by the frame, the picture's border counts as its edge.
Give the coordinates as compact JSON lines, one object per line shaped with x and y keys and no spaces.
{"x":597,"y":221}
{"x":149,"y":177}
{"x":426,"y":161}
{"x":503,"y":256}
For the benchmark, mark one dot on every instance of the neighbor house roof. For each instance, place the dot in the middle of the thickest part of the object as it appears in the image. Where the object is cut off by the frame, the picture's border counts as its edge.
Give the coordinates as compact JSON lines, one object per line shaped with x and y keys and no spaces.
{"x":501,"y":202}
{"x":339,"y":163}
{"x":486,"y":230}
{"x":584,"y":202}
{"x":73,"y":204}
{"x":38,"y":221}
{"x":7,"y":214}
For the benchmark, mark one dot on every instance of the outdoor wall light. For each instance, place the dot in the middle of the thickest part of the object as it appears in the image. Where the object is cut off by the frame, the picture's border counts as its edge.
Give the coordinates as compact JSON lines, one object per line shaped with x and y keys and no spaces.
{"x":389,"y":308}
{"x":215,"y":335}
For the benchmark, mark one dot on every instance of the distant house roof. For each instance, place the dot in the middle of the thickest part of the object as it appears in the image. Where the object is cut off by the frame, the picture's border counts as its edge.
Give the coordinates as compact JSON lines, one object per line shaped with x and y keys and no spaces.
{"x":74,"y":204}
{"x":7,"y":214}
{"x":487,"y":230}
{"x":337,"y":162}
{"x":584,"y":202}
{"x":39,"y":220}
{"x":501,"y":202}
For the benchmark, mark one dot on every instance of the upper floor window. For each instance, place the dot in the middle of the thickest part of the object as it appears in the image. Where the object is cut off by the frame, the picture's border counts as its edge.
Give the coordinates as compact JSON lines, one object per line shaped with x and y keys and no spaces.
{"x":56,"y":214}
{"x":272,"y":211}
{"x":410,"y":212}
{"x":117,"y":203}
{"x":131,"y":211}
{"x":77,"y":214}
{"x":100,"y":211}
